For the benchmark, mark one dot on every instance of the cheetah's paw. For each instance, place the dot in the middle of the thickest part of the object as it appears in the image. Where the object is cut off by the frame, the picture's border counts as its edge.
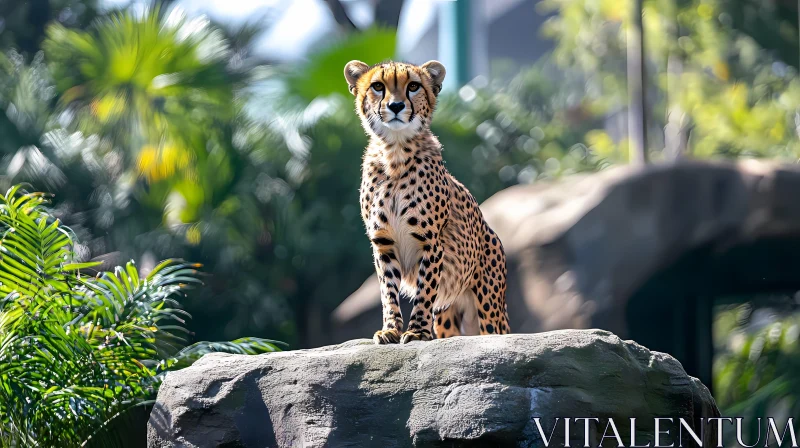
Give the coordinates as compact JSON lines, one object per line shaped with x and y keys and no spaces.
{"x":411,"y":335}
{"x":391,"y":336}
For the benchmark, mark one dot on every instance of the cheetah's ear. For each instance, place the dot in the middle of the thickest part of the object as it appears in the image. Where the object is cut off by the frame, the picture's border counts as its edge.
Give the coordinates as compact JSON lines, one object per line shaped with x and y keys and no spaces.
{"x":437,"y":72}
{"x":352,"y":71}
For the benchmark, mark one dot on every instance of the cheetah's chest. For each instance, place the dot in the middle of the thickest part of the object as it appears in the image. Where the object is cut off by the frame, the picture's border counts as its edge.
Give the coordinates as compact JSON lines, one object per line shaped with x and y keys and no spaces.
{"x":396,"y":216}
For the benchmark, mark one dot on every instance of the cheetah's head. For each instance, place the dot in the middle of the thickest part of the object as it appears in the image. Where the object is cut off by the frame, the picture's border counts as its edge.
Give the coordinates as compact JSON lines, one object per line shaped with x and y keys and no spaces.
{"x":394,"y":100}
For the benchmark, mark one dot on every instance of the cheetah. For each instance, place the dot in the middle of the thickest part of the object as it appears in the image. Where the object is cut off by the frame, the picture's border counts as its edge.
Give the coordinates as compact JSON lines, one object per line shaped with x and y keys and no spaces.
{"x":429,"y":239}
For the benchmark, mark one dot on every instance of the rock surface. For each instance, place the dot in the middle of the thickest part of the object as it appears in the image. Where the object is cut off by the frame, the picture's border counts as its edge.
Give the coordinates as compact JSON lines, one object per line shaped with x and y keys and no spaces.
{"x":464,"y":391}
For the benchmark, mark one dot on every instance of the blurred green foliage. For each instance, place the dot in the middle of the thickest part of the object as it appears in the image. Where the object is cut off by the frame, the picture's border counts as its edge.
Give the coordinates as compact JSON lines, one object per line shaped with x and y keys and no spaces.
{"x":757,"y":361}
{"x":77,"y":350}
{"x":320,"y":77}
{"x":143,"y":182}
{"x":154,"y":85}
{"x":706,"y":63}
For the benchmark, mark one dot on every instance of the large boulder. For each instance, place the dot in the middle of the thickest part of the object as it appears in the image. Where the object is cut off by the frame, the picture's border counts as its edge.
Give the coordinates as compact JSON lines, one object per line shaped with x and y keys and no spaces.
{"x":463,"y":391}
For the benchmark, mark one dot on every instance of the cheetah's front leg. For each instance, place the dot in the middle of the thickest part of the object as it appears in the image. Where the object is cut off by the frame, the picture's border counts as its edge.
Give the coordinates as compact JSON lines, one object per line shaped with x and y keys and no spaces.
{"x":389,"y":276}
{"x":420,"y":323}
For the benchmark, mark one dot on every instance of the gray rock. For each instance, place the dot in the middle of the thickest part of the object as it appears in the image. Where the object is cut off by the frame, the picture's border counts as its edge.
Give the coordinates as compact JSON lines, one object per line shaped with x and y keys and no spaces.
{"x":464,"y":391}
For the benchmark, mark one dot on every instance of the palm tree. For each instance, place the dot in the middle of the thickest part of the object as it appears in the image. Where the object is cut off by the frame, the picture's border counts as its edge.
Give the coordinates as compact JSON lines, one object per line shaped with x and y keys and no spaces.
{"x":165,"y":98}
{"x":152,"y":82}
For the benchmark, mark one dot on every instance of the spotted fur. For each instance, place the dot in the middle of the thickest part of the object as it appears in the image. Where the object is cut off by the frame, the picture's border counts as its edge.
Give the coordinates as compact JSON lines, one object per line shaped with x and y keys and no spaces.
{"x":428,"y":236}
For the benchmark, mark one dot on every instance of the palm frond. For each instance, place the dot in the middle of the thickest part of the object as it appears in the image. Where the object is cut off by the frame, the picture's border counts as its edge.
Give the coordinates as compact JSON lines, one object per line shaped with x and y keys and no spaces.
{"x":242,"y":346}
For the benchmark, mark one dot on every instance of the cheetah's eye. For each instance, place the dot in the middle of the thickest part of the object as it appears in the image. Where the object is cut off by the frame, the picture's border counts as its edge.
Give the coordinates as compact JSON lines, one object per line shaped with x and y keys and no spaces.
{"x":414,"y":86}
{"x":377,"y":86}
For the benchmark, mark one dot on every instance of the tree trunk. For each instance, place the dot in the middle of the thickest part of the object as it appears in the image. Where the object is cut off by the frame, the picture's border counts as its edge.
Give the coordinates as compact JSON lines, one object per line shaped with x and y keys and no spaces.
{"x":340,"y":15}
{"x":637,"y":124}
{"x":679,"y":123}
{"x":387,"y":13}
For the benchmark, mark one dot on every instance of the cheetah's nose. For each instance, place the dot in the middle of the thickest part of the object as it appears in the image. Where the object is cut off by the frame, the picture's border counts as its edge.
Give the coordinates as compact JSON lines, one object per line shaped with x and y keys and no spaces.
{"x":396,"y":107}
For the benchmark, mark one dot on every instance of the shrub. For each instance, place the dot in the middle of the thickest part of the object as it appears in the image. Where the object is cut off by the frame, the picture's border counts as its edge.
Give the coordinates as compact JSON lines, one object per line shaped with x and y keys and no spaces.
{"x":77,"y":350}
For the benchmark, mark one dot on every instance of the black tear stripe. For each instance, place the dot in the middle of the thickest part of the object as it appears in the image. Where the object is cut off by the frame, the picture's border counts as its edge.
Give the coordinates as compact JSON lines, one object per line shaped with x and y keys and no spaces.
{"x":395,"y":77}
{"x":380,"y":103}
{"x":411,"y":102}
{"x":383,"y":96}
